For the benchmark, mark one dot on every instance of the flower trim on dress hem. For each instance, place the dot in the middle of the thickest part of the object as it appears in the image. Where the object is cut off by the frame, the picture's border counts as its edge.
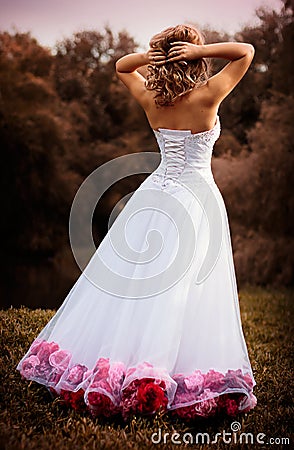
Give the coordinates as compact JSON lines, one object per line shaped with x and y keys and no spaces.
{"x":110,"y":388}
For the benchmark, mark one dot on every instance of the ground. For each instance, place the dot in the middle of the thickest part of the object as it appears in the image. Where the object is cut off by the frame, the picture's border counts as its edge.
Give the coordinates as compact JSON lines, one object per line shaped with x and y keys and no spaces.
{"x":31,"y":419}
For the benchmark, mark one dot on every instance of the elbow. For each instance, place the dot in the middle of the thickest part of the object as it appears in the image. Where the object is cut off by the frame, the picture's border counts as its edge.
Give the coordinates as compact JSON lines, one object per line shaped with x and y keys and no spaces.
{"x":120,"y":69}
{"x":248,"y":52}
{"x":251,"y":50}
{"x":117,"y":64}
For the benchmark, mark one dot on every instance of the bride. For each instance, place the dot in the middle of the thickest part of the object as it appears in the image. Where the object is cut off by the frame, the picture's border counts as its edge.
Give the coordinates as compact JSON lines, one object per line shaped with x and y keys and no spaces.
{"x":172,"y":341}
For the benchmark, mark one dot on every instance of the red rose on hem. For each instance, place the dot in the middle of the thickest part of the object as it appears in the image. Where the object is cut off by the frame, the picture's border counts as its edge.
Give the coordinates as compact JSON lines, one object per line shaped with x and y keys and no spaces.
{"x":150,"y":397}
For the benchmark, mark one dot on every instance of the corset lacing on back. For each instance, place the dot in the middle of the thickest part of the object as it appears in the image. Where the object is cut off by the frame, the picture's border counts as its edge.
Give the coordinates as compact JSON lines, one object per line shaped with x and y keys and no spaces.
{"x":183,"y":152}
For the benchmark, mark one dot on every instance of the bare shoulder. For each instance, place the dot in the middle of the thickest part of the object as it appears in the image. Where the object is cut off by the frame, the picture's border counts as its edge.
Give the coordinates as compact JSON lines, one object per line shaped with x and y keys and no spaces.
{"x":135,"y":82}
{"x":220,"y":85}
{"x":200,"y":95}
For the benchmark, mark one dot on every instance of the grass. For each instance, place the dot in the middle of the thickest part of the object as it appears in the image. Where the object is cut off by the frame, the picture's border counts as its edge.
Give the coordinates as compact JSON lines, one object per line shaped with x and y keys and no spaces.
{"x":31,"y":419}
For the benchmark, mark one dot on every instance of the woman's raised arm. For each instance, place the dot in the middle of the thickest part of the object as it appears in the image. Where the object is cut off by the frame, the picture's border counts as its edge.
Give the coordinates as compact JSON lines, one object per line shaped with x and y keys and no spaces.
{"x":134,"y":81}
{"x":129,"y":63}
{"x":226,"y":50}
{"x":221,"y":84}
{"x":133,"y":61}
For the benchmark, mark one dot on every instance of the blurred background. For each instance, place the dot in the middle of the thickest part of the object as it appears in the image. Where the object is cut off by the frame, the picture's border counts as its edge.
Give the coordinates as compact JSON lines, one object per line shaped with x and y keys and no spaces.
{"x":63,"y":113}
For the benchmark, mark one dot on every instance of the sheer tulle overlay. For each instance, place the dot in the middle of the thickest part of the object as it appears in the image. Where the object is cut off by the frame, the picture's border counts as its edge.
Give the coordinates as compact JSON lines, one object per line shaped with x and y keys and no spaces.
{"x":165,"y":333}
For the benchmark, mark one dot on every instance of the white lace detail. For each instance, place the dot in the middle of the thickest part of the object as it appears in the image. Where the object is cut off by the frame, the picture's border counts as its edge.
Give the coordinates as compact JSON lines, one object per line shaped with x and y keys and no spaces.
{"x":205,"y":136}
{"x":165,"y":181}
{"x":209,"y":136}
{"x":183,"y":152}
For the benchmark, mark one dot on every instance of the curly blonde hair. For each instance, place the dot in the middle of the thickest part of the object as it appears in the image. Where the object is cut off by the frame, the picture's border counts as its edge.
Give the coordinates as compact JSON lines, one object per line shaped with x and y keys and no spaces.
{"x":174,"y":79}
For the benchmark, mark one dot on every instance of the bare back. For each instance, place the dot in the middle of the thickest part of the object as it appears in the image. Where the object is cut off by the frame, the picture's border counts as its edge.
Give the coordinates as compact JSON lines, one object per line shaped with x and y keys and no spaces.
{"x":197,"y":110}
{"x":194,"y":111}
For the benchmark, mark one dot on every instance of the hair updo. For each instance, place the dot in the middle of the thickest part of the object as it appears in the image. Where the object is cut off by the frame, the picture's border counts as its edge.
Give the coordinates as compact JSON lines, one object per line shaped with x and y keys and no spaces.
{"x":173,"y":79}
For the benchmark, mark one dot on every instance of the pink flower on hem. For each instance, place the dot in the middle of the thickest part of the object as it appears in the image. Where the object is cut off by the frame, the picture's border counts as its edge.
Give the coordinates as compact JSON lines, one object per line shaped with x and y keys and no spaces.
{"x":116,"y":378}
{"x":54,"y":377}
{"x":100,"y":375}
{"x":60,"y":359}
{"x":144,"y":364}
{"x":130,"y":371}
{"x":101,"y":368}
{"x":87,"y":377}
{"x":252,"y":403}
{"x":76,"y":373}
{"x":253,"y":400}
{"x":181,"y":384}
{"x":35,"y":346}
{"x":102,"y":384}
{"x":28,"y":367}
{"x":248,"y":380}
{"x":234,"y":378}
{"x":44,"y":370}
{"x":214,"y":380}
{"x":129,"y":399}
{"x":208,"y":406}
{"x":87,"y":374}
{"x":45,"y":350}
{"x":185,"y":392}
{"x":194,"y":381}
{"x":140,"y":368}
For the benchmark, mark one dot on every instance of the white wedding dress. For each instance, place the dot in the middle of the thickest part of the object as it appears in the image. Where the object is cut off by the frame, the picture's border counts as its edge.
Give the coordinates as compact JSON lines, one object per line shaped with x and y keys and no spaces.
{"x":153,"y":322}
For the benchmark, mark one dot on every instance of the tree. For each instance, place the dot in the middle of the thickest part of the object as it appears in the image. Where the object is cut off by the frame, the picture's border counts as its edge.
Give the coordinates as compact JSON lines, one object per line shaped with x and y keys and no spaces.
{"x":84,"y":71}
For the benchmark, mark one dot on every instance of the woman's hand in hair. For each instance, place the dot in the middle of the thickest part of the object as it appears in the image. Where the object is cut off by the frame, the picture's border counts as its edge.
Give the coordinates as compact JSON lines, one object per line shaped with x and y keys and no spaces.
{"x":184,"y":51}
{"x":232,"y":51}
{"x":156,"y":56}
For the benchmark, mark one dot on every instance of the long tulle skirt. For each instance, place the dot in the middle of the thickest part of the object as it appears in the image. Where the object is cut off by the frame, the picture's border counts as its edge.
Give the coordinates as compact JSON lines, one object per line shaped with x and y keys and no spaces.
{"x":153,"y":322}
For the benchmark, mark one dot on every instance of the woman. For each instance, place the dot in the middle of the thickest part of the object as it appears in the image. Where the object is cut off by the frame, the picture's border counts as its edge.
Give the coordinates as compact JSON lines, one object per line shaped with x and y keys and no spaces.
{"x":166,"y":335}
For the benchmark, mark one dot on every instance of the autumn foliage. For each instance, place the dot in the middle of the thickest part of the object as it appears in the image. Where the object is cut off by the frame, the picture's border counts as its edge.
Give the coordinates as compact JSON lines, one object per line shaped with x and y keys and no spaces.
{"x":64,"y":113}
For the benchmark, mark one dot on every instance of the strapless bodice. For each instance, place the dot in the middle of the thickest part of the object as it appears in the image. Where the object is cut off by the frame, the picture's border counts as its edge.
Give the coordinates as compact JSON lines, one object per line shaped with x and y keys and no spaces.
{"x":183,"y":152}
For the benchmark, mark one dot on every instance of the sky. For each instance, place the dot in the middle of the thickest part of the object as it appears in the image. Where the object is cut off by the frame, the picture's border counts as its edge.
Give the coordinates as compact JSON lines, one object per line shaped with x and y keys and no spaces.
{"x":52,"y":20}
